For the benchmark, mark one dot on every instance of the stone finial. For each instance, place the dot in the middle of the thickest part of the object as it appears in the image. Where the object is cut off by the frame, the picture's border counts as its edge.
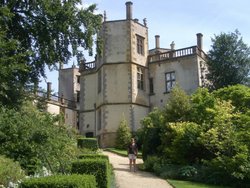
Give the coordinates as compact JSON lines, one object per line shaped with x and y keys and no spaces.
{"x":172,"y":45}
{"x":145,"y":22}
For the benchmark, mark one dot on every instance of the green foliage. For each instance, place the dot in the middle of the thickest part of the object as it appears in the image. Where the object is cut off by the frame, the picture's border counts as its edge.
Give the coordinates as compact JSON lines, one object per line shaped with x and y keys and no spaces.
{"x":231,"y":154}
{"x":150,"y":162}
{"x":180,"y":143}
{"x":97,"y":167}
{"x":35,"y":140}
{"x":87,"y":143}
{"x":36,"y":34}
{"x":10,"y":171}
{"x":178,"y":106}
{"x":62,"y":181}
{"x":13,"y":70}
{"x":229,"y":60}
{"x":239,"y":95}
{"x":202,"y":101}
{"x":211,"y":144}
{"x":93,"y":156}
{"x":123,"y":135}
{"x":151,"y":128}
{"x":187,"y":172}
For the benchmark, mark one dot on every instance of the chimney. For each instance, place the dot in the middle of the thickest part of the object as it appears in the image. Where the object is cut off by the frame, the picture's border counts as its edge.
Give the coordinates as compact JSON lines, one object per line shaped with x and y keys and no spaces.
{"x":199,"y":40}
{"x":129,"y":10}
{"x":48,"y":90}
{"x":157,"y":41}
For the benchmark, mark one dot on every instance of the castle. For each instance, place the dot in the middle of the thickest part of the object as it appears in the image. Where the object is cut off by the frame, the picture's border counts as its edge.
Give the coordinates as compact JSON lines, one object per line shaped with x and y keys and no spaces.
{"x":127,"y":80}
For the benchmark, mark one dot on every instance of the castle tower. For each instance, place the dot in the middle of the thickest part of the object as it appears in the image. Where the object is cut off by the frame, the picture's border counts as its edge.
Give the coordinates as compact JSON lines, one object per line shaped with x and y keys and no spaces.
{"x":115,"y":85}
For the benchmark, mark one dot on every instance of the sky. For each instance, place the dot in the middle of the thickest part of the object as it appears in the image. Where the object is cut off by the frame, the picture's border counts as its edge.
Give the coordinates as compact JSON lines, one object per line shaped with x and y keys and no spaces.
{"x":176,"y":20}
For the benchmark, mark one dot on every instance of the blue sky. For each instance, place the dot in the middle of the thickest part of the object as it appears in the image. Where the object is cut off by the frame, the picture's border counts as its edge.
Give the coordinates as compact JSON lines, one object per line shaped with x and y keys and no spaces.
{"x":178,"y":21}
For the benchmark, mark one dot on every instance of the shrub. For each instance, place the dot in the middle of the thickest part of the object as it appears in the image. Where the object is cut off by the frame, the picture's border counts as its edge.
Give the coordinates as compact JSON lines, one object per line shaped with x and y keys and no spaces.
{"x":97,"y":167}
{"x":62,"y":181}
{"x":151,"y":142}
{"x":150,"y":162}
{"x":123,"y":136}
{"x":88,"y":143}
{"x":93,"y":156}
{"x":10,"y":171}
{"x":187,"y":172}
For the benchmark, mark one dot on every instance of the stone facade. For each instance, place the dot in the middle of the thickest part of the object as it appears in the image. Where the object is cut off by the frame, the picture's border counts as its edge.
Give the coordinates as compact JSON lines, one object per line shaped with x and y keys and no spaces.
{"x":69,"y":95}
{"x":128,"y":80}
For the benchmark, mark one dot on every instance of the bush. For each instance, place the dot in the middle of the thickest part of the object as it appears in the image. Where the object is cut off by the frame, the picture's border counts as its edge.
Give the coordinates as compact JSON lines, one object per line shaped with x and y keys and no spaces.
{"x":123,"y":136}
{"x":88,"y":143}
{"x":151,"y":142}
{"x":35,"y":139}
{"x":62,"y":181}
{"x":187,"y":172}
{"x":150,"y":162}
{"x":93,"y":156}
{"x":97,"y":167}
{"x":10,"y":171}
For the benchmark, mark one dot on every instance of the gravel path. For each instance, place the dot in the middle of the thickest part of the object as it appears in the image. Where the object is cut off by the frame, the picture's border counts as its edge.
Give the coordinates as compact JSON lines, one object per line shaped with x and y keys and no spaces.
{"x":139,"y":179}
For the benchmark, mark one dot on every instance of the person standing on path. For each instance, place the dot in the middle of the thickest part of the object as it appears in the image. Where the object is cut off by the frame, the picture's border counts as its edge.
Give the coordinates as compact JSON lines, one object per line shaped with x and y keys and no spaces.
{"x":132,"y":154}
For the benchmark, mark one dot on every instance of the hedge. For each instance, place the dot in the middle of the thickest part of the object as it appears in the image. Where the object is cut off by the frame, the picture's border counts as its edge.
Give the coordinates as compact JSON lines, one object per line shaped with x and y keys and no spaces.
{"x":93,"y":156}
{"x":89,"y":143}
{"x":97,"y":167}
{"x":61,"y":181}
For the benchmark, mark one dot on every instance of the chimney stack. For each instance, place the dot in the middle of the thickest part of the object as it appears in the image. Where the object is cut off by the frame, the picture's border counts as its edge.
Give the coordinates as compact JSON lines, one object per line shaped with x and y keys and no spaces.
{"x":157,"y":41}
{"x":199,"y":40}
{"x":48,"y":90}
{"x":129,"y":10}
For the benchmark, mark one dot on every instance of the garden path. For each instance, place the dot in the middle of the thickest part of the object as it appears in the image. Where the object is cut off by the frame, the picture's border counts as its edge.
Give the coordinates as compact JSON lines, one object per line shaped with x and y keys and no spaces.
{"x":139,"y":179}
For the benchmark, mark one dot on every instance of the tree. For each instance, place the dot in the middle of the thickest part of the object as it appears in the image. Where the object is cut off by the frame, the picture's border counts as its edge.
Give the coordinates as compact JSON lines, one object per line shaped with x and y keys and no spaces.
{"x":150,"y":133}
{"x":123,"y":136}
{"x":13,"y":69}
{"x":178,"y":106}
{"x":39,"y":33}
{"x":228,"y":61}
{"x":239,"y":95}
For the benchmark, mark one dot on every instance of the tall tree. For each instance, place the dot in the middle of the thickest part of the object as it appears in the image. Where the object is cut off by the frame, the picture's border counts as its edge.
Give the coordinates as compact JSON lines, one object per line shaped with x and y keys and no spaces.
{"x":229,"y":60}
{"x":42,"y":32}
{"x":13,"y":69}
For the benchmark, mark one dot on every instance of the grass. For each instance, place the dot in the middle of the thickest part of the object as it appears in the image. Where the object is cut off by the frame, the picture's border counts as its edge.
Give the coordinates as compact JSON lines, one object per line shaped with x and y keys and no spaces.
{"x":121,"y":152}
{"x":188,"y":184}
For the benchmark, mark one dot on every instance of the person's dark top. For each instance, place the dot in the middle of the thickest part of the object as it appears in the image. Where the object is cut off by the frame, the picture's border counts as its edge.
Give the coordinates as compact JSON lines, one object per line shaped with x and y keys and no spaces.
{"x":132,"y":149}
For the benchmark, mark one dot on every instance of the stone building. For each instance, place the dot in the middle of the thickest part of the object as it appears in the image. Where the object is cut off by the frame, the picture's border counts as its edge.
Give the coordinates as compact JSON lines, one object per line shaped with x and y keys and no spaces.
{"x":69,"y":95}
{"x":128,"y":80}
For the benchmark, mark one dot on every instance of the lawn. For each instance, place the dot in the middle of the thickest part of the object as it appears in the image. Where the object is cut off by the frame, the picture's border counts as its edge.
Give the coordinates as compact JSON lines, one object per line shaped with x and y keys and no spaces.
{"x":188,"y":184}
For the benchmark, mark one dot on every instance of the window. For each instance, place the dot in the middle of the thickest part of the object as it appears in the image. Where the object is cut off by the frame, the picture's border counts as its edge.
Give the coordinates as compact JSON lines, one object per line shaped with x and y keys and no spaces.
{"x":170,"y":80}
{"x":99,"y":81}
{"x":77,"y":96}
{"x":78,"y":79}
{"x":99,"y":121}
{"x":140,"y":44}
{"x":151,"y":86}
{"x":140,"y":78}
